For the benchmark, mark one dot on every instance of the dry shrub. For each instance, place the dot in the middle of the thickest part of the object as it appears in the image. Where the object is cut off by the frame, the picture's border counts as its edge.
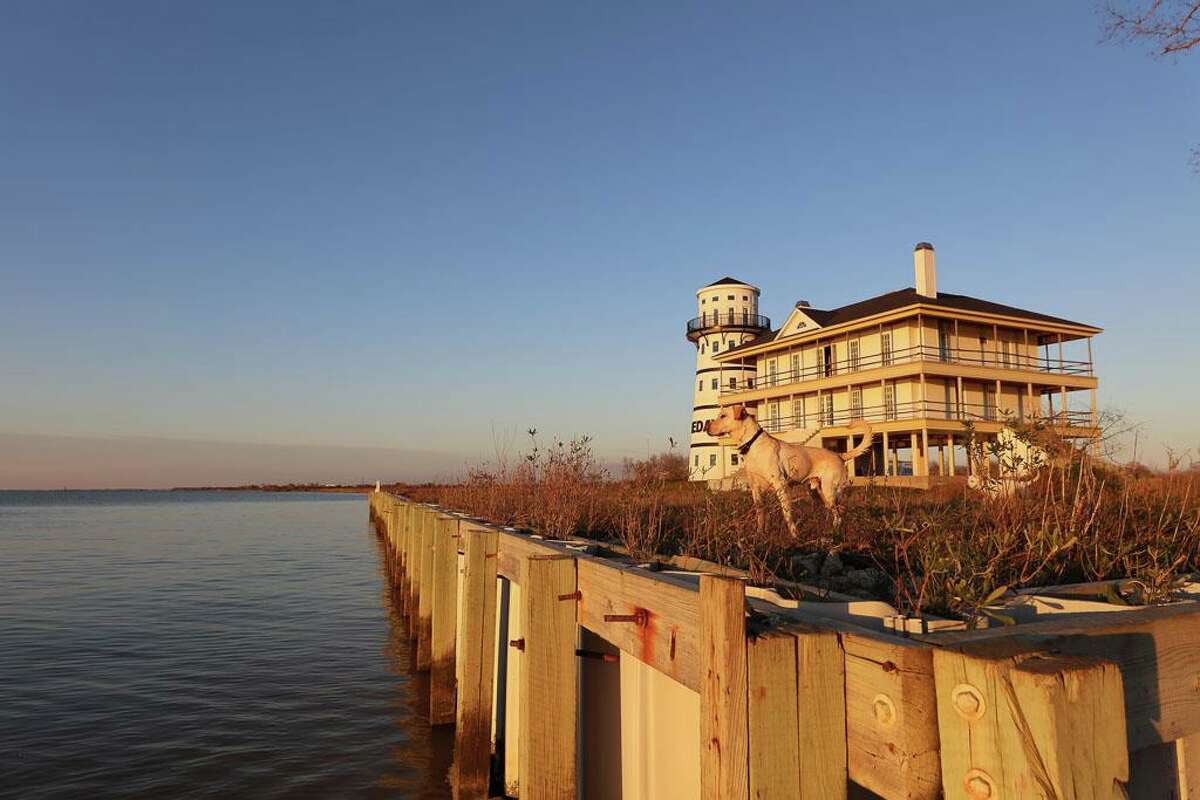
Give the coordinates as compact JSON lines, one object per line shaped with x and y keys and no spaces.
{"x":946,"y":551}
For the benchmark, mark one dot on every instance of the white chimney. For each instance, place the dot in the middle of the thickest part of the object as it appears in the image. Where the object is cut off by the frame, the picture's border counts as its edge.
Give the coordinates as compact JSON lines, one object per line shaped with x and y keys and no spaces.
{"x":926,"y":268}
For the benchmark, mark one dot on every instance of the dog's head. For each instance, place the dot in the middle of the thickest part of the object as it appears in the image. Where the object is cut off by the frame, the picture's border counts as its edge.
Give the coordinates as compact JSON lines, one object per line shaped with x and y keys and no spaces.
{"x":731,"y":421}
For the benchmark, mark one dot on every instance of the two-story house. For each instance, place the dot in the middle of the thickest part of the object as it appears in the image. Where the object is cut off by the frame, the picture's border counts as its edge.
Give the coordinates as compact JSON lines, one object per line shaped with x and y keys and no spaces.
{"x":918,"y":364}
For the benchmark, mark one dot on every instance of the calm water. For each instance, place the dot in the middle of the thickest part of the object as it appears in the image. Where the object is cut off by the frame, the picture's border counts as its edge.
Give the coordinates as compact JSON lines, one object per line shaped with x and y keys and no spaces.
{"x":202,"y":645}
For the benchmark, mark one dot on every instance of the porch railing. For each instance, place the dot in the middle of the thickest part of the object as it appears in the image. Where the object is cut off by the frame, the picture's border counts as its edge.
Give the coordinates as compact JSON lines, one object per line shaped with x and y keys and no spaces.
{"x":916,"y":353}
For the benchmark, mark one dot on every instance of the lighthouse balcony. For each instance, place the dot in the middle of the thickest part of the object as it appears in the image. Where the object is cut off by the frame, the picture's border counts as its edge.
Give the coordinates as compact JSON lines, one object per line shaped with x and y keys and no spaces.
{"x":716,"y":321}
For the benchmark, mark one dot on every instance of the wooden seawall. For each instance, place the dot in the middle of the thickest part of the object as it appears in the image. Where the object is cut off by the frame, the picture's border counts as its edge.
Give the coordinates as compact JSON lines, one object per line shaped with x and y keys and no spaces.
{"x":573,"y":673}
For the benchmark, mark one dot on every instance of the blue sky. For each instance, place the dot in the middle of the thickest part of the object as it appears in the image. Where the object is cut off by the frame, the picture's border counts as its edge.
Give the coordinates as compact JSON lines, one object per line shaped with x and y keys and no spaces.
{"x":419,"y":226}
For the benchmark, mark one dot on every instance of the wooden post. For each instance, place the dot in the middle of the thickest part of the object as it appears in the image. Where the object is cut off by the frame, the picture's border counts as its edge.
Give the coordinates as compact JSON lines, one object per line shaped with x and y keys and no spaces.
{"x":413,"y":567}
{"x":724,"y":724}
{"x":796,"y":715}
{"x":924,"y":451}
{"x":424,"y":624}
{"x":549,"y":679}
{"x":1029,"y":725}
{"x":474,"y":663}
{"x":891,"y":717}
{"x":443,"y":621}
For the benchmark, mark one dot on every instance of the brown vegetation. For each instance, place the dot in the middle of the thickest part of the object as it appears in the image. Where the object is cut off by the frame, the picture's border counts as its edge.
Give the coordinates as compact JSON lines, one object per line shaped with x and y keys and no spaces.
{"x":945,"y":551}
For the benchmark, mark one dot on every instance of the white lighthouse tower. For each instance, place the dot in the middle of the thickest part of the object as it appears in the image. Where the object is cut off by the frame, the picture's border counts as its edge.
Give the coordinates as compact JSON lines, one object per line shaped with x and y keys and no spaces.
{"x":728,"y":317}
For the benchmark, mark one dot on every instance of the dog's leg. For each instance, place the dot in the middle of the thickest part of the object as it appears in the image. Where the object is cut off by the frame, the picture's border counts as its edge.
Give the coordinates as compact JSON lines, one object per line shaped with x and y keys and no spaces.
{"x":759,"y":511}
{"x":785,"y":503}
{"x":830,"y":496}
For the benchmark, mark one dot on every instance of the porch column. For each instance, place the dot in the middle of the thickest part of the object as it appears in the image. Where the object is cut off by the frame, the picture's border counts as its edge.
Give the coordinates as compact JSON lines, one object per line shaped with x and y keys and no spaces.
{"x":887,"y":456}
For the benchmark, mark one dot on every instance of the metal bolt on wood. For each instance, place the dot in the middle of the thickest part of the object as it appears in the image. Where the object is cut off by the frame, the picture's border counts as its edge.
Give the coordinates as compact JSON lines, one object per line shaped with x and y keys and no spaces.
{"x":968,"y":702}
{"x":640,"y":617}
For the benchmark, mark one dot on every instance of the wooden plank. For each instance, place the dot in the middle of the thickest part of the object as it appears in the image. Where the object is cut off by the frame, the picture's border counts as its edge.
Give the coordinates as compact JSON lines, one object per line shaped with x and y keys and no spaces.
{"x":669,"y":638}
{"x":475,"y":663}
{"x":1169,"y":771}
{"x":412,"y":572}
{"x":724,"y":731}
{"x":549,"y":677}
{"x":513,"y":548}
{"x":891,"y":717}
{"x":1018,"y":724}
{"x":774,"y":720}
{"x":1155,"y":649}
{"x":443,"y":620}
{"x":1188,"y":760}
{"x":821,"y":702}
{"x":424,"y":624}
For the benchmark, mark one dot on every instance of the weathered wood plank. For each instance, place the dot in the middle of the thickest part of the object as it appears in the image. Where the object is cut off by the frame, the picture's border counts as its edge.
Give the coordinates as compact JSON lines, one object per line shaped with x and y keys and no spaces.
{"x":891,"y":717}
{"x":1029,"y":725}
{"x":475,"y":663}
{"x":513,"y":548}
{"x":821,"y":700}
{"x":549,"y":680}
{"x":774,"y":721}
{"x":412,"y":560}
{"x":1154,"y":648}
{"x":724,"y":754}
{"x":424,"y":624}
{"x":443,"y":621}
{"x":668,"y":639}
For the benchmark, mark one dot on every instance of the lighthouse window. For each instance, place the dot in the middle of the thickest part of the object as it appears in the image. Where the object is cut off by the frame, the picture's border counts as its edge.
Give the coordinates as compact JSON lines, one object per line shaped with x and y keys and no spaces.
{"x":716,"y":347}
{"x":712,"y":460}
{"x":733,"y":459}
{"x":714,"y":383}
{"x":733,"y":383}
{"x":730,"y":297}
{"x":700,"y":385}
{"x":697,"y":459}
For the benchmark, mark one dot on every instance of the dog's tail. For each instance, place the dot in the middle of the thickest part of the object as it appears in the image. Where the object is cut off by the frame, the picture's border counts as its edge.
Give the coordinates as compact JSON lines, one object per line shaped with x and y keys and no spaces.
{"x":867,"y":435}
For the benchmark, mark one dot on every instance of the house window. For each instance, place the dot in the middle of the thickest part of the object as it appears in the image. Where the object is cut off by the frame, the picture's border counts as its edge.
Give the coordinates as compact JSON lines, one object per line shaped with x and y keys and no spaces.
{"x":798,"y":412}
{"x":712,"y":460}
{"x":943,"y":341}
{"x":854,"y":355}
{"x":1006,"y":352}
{"x":733,"y":383}
{"x":827,"y":360}
{"x":855,"y":403}
{"x":773,"y":416}
{"x":744,"y":297}
{"x":889,"y":402}
{"x":731,"y":317}
{"x":772,"y":365}
{"x":827,"y":410}
{"x":885,"y":349}
{"x":989,"y":401}
{"x":982,"y":349}
{"x":733,"y":459}
{"x":795,"y":375}
{"x":729,"y":297}
{"x":745,"y":317}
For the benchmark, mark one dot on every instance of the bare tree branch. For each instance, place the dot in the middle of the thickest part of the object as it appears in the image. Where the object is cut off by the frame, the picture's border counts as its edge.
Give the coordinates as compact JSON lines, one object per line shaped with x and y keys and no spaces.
{"x":1171,"y":26}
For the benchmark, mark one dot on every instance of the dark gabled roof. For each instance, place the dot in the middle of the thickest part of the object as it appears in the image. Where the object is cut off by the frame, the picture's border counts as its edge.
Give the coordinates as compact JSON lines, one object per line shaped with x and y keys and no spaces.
{"x":907,"y":297}
{"x":728,"y":281}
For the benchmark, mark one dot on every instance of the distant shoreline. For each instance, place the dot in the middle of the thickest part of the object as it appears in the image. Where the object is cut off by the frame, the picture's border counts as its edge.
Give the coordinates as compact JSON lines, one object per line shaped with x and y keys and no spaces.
{"x":289,"y":487}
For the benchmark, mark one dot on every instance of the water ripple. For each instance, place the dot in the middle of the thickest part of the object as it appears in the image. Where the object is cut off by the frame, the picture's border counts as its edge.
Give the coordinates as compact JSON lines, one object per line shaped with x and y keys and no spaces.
{"x":203,"y":645}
